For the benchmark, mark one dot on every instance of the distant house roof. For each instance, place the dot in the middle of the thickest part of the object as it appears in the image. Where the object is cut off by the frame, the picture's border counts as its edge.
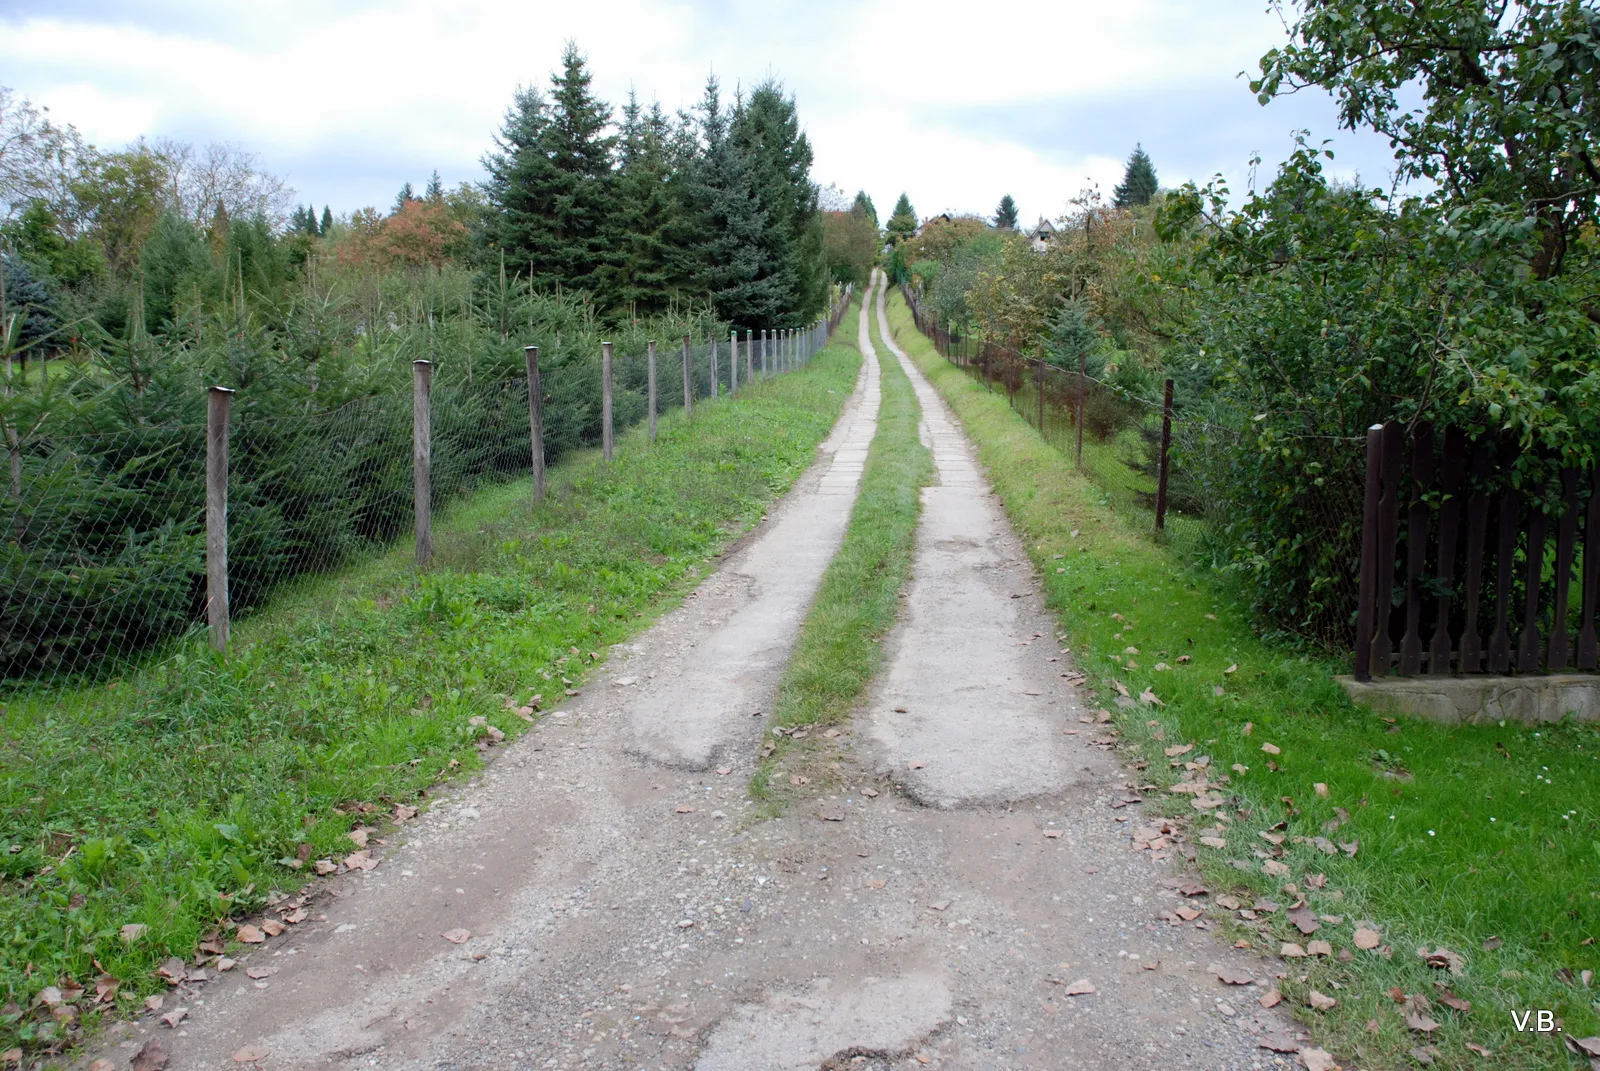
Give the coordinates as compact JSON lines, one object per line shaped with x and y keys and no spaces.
{"x":1041,"y":234}
{"x":942,"y":217}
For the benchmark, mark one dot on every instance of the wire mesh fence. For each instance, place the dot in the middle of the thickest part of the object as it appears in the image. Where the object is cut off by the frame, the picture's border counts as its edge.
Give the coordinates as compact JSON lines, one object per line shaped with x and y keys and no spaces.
{"x":1171,"y":463}
{"x":104,"y":540}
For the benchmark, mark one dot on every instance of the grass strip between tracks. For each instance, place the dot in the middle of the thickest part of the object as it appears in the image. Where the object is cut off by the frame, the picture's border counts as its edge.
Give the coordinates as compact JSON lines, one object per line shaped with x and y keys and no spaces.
{"x":838,"y":650}
{"x":1479,"y":839}
{"x":187,"y":792}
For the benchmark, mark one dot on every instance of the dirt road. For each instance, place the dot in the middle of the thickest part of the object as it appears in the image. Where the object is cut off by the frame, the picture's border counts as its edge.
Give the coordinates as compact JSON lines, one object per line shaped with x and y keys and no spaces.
{"x":625,"y":912}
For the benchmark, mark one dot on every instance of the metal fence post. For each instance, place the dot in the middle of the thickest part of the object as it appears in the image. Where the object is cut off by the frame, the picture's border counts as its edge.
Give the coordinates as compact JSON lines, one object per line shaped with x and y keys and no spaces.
{"x":650,"y":376}
{"x":749,"y":355}
{"x":607,"y":439}
{"x":535,"y":419}
{"x":733,"y":362}
{"x":218,"y":405}
{"x":713,"y":366}
{"x":688,"y":380}
{"x":764,"y":334}
{"x":422,"y":456}
{"x":1166,"y":459}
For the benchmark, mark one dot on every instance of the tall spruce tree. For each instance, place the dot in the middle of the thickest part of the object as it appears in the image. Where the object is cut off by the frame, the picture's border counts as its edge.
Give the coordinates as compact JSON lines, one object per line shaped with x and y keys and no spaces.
{"x":327,"y":221}
{"x":580,"y":195}
{"x":1005,"y":216}
{"x":767,"y":130}
{"x":903,"y":221}
{"x":1138,"y":181}
{"x":551,"y":182}
{"x":406,"y":194}
{"x":434,"y":193}
{"x":518,"y":175}
{"x":641,"y":274}
{"x":863,"y":204}
{"x":715,"y":234}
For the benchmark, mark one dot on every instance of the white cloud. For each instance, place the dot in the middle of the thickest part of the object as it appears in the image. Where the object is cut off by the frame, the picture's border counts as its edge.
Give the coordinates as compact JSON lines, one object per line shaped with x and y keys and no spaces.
{"x":352,"y":99}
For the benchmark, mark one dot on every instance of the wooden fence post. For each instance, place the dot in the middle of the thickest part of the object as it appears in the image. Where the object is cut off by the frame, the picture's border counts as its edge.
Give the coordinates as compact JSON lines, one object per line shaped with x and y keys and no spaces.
{"x":1083,"y":387}
{"x":1366,"y":598}
{"x":1588,"y":649}
{"x":1166,"y":459}
{"x":607,"y":437}
{"x":713,"y":366}
{"x":218,"y":405}
{"x":650,"y":376}
{"x":422,"y":457}
{"x":733,"y":362}
{"x":1039,"y":390}
{"x":688,"y":380}
{"x":530,"y":356}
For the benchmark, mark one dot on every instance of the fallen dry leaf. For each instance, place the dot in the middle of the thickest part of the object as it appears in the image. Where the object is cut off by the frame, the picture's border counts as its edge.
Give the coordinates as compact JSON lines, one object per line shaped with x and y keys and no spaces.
{"x":1178,"y":749}
{"x":1415,"y":1020}
{"x":1272,"y":749}
{"x":1082,"y":987}
{"x":915,"y":765}
{"x":1290,"y":950}
{"x":456,"y":936}
{"x":1320,"y":789}
{"x":1270,"y":999}
{"x":1479,"y":1049}
{"x":1318,"y":948}
{"x":325,"y":867}
{"x":174,"y":1017}
{"x":101,"y":1064}
{"x":154,"y":1003}
{"x":152,"y":1056}
{"x":361,"y":860}
{"x":359,"y":836}
{"x":1317,"y":1060}
{"x":1148,"y":696}
{"x":685,"y":810}
{"x":250,"y":1054}
{"x":1442,"y":958}
{"x":870,"y":793}
{"x":272,"y":927}
{"x":1320,"y":1001}
{"x":1231,"y":975}
{"x":1279,"y":1043}
{"x":1053,"y":834}
{"x":133,"y":931}
{"x":259,"y":973}
{"x":173,"y":969}
{"x":1367,"y":939}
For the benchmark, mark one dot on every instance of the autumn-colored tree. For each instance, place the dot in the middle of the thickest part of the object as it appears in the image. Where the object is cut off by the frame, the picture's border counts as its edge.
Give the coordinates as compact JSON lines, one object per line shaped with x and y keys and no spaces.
{"x":422,"y":232}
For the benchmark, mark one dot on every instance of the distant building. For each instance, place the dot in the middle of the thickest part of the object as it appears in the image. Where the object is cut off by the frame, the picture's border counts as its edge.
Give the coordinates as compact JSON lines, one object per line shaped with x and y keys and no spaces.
{"x":942,"y":217}
{"x":1042,"y":234}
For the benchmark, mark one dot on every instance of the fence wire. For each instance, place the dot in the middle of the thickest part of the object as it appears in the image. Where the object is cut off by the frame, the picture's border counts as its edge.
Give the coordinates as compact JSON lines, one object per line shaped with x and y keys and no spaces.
{"x":103,"y":532}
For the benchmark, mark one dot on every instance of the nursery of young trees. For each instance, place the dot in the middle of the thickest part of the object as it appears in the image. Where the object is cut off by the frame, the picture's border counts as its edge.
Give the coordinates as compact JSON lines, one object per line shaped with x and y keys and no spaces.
{"x":136,"y":278}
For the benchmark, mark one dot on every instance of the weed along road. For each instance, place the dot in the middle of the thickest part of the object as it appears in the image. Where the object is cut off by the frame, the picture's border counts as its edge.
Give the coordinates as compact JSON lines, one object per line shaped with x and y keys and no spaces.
{"x":956,"y":883}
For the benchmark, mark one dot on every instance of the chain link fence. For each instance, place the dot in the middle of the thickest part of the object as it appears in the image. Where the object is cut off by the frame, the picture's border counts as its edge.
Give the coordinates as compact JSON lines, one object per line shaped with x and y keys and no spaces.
{"x":112,"y":542}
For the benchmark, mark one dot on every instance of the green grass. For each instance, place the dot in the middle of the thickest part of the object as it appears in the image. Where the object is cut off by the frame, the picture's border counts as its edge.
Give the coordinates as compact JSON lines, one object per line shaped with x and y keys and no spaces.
{"x":838,"y":652}
{"x":1465,"y":833}
{"x":177,"y":795}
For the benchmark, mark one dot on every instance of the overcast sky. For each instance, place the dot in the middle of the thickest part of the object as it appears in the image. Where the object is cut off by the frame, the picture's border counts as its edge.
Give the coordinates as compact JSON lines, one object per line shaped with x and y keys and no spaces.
{"x":955,"y":103}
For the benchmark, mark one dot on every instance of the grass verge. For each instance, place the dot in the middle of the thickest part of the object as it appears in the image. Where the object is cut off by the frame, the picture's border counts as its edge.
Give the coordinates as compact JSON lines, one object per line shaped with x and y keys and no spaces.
{"x":138,"y":816}
{"x":838,"y":652}
{"x":1481,"y":840}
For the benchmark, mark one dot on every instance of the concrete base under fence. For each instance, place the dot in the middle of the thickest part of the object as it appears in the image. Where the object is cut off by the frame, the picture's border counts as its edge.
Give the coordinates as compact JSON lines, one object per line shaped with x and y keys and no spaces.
{"x":1479,"y":700}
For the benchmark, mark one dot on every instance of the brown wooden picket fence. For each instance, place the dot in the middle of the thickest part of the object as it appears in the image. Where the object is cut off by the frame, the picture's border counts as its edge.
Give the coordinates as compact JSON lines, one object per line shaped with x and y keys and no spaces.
{"x":1489,"y":568}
